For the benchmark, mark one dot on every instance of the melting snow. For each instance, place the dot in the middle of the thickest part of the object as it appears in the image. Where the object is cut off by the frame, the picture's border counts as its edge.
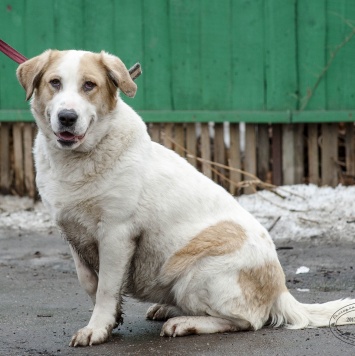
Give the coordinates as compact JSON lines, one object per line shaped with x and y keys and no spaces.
{"x":297,"y":212}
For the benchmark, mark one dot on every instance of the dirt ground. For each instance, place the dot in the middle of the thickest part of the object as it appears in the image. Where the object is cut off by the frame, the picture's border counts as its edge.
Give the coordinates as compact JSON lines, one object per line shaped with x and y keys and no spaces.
{"x":42,"y":305}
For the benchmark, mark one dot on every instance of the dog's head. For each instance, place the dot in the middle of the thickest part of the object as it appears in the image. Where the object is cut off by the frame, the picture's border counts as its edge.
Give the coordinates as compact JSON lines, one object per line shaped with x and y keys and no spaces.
{"x":72,"y":91}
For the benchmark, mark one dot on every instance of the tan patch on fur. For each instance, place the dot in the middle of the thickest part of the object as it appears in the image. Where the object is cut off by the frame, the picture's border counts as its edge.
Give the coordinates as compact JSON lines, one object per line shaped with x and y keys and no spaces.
{"x":44,"y":91}
{"x":119,"y":74}
{"x":264,"y":236}
{"x":262,"y":285}
{"x":31,"y":72}
{"x":104,"y":95}
{"x":217,"y":240}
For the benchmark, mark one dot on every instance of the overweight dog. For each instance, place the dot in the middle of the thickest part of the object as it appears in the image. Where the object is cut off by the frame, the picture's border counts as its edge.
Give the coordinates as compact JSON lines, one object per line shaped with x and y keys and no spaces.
{"x":140,"y":220}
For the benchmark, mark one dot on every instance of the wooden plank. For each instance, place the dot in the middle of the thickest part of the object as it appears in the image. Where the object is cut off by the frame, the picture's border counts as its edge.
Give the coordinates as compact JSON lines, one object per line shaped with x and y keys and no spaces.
{"x":311,"y":42}
{"x":185,"y":54}
{"x":299,"y":143}
{"x":234,"y":156}
{"x":247,"y":54}
{"x":350,"y":149}
{"x":219,"y":153}
{"x":276,"y":154}
{"x":263,"y":152}
{"x":280,"y":49}
{"x":313,"y":155}
{"x":288,"y":152}
{"x":179,"y":138}
{"x":18,"y":158}
{"x":292,"y":154}
{"x":215,"y":54}
{"x":5,"y":176}
{"x":206,"y":150}
{"x":191,"y":143}
{"x":329,"y":151}
{"x":250,"y":154}
{"x":30,"y":185}
{"x":156,"y":79}
{"x":154,"y":131}
{"x":168,"y":135}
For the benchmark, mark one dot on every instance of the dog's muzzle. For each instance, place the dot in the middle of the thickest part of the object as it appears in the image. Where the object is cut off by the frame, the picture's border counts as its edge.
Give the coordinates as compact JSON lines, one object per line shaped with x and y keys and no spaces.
{"x":66,"y":135}
{"x":67,"y":118}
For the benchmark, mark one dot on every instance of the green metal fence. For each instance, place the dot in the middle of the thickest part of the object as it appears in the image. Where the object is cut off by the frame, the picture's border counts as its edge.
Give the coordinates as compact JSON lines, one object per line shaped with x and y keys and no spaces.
{"x":203,"y":60}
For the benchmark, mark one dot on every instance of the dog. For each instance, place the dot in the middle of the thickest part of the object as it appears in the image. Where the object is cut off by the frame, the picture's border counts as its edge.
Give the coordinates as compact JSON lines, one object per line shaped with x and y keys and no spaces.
{"x":140,"y":220}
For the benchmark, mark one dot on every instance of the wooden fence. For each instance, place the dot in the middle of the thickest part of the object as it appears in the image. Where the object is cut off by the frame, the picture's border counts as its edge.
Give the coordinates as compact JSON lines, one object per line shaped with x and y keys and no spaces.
{"x":240,"y":157}
{"x":284,"y":68}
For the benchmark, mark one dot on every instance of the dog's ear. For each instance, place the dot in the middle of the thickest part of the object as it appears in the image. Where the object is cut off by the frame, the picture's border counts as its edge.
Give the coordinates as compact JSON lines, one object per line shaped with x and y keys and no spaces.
{"x":30,"y":72}
{"x":119,"y":74}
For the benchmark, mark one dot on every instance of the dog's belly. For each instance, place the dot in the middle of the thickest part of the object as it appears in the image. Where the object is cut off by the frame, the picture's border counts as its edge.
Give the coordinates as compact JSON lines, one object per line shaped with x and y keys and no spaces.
{"x":143,"y":277}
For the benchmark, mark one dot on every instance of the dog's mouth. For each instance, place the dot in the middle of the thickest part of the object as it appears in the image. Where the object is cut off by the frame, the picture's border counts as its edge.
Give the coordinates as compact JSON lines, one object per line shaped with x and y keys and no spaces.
{"x":67,"y":138}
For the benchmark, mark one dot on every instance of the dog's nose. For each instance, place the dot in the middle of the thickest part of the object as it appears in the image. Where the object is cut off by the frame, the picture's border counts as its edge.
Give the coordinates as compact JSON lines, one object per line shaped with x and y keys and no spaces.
{"x":67,"y":117}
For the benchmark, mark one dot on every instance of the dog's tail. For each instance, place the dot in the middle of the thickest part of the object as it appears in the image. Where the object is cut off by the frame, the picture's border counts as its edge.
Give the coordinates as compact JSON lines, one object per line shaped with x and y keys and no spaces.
{"x":292,"y":314}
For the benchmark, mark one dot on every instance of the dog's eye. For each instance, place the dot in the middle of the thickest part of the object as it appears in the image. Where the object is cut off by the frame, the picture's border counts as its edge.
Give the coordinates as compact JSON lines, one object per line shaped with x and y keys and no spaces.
{"x":89,"y":86}
{"x":55,"y":83}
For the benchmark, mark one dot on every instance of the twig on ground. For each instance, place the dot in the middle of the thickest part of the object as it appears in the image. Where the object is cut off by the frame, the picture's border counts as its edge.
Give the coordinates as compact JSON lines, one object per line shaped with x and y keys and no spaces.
{"x":274,"y":223}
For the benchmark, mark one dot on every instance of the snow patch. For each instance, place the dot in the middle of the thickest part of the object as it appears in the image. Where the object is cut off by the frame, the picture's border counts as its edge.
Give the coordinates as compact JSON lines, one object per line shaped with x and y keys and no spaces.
{"x":298,"y":212}
{"x":302,"y":269}
{"x":304,"y":212}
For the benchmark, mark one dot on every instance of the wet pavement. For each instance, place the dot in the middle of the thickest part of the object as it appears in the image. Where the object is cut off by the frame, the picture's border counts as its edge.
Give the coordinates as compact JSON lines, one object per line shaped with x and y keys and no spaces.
{"x":42,"y":305}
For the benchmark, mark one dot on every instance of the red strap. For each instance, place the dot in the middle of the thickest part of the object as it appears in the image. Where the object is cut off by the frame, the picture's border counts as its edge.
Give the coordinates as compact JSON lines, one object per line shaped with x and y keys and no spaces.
{"x":135,"y":71}
{"x":12,"y":53}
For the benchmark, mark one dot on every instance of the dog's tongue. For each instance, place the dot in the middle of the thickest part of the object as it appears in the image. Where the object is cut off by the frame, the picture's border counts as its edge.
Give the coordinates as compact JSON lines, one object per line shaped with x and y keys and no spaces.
{"x":66,"y":136}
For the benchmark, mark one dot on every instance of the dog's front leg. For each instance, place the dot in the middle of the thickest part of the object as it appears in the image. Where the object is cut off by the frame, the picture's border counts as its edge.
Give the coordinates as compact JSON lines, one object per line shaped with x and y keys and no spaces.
{"x":87,"y":277}
{"x":114,"y":253}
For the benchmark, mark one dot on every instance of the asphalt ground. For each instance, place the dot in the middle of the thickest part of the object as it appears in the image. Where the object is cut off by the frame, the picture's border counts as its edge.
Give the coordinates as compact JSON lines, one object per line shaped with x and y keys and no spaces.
{"x":42,"y":305}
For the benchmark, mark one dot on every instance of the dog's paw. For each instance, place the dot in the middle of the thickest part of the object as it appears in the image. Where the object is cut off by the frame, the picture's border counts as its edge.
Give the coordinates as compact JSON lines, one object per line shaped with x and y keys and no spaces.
{"x":89,"y":336}
{"x":179,"y":326}
{"x":162,"y":312}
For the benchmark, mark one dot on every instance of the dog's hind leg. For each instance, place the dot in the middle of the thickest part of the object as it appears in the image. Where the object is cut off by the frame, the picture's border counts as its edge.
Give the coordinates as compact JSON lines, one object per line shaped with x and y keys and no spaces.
{"x":186,"y":325}
{"x":161,"y":312}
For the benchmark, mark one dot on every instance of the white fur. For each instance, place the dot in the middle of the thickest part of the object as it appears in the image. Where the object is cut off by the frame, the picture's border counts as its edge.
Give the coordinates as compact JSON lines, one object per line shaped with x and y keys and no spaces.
{"x":139,"y":203}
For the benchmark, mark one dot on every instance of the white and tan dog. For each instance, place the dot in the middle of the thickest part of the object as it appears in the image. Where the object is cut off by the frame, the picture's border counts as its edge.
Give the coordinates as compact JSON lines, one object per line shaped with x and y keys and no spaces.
{"x":140,"y":220}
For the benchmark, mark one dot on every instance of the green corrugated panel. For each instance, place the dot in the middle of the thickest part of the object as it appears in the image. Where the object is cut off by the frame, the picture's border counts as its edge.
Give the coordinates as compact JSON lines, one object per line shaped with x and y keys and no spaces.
{"x":156,"y":78}
{"x":248,"y":54}
{"x":197,"y":55}
{"x":311,"y":45}
{"x":280,"y":47}
{"x":340,"y":76}
{"x":98,"y":25}
{"x":39,"y":26}
{"x":215,"y":55}
{"x":127,"y":39}
{"x":69,"y":20}
{"x":11,"y":31}
{"x":185,"y":65}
